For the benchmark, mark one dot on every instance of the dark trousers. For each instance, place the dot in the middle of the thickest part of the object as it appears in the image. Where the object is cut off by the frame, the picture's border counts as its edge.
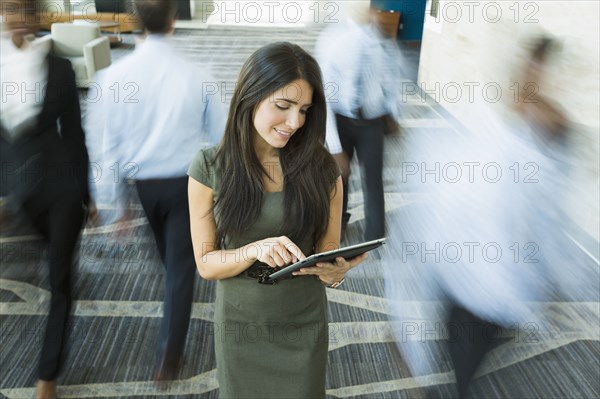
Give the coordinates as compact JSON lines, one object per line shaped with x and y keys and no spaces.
{"x":165,"y":202}
{"x":366,"y":138}
{"x":59,"y":218}
{"x":470,"y":338}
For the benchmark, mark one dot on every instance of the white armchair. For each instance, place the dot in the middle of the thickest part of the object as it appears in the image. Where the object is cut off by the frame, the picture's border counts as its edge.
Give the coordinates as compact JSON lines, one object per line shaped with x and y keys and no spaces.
{"x":83,"y":45}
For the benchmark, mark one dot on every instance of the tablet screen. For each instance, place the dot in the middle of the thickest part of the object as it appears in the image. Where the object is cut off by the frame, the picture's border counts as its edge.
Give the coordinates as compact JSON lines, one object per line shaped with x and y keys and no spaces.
{"x":346,"y":253}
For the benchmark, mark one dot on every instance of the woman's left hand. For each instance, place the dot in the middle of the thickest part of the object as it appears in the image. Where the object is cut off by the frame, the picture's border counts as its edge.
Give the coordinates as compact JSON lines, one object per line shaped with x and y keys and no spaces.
{"x":332,"y":272}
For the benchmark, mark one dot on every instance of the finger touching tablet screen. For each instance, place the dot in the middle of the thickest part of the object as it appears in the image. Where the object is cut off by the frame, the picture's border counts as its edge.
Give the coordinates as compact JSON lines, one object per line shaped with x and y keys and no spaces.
{"x":346,"y":253}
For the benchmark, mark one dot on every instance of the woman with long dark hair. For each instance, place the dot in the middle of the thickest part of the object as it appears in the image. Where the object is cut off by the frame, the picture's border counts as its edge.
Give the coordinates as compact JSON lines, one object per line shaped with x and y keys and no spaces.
{"x":270,"y":194}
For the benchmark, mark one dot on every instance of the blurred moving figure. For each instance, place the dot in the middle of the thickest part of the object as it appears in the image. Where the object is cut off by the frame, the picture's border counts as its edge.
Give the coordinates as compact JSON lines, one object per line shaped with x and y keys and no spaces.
{"x":43,"y":145}
{"x":488,"y":240}
{"x":361,"y":70}
{"x":545,"y":118}
{"x":153,"y":130}
{"x":548,"y":131}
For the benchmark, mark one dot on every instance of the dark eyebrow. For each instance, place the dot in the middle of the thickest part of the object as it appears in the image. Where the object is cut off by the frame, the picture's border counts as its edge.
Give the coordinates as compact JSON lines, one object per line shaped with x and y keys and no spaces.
{"x":291,"y":101}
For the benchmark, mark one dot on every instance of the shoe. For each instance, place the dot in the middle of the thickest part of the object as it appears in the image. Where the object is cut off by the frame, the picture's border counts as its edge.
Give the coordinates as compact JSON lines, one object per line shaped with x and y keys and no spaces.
{"x":45,"y":390}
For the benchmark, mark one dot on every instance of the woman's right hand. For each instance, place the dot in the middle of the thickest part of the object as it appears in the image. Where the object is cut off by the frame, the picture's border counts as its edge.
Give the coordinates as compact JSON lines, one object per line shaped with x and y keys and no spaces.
{"x":276,"y":251}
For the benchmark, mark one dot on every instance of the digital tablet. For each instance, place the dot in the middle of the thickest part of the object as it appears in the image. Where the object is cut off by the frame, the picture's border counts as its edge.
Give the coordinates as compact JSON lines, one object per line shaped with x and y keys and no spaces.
{"x":346,"y":253}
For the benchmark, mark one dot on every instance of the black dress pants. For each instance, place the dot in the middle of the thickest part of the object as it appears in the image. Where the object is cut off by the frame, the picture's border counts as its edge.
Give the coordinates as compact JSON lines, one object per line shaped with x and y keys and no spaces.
{"x":366,"y":137}
{"x":470,"y":338}
{"x":58,"y":214}
{"x":165,"y":202}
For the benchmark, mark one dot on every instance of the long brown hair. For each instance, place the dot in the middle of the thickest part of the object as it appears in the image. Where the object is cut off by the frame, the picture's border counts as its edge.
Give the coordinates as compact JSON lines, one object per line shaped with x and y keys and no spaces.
{"x":309,"y":171}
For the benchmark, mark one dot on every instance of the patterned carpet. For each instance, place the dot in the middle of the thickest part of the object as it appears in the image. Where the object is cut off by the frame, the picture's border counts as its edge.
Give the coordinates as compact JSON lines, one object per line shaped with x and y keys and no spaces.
{"x":119,"y":288}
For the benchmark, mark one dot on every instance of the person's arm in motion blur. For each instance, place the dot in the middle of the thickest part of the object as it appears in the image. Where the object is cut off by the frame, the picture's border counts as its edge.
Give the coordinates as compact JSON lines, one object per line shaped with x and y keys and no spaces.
{"x":332,"y":89}
{"x":393,"y":77}
{"x":112,"y":164}
{"x":334,"y":145}
{"x":73,"y":136}
{"x":215,"y":116}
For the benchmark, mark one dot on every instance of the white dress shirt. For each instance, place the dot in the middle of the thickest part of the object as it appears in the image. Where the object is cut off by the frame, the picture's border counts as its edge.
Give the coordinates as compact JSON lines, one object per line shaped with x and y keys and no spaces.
{"x":23,"y":79}
{"x":155,"y":114}
{"x":361,"y":70}
{"x":501,"y":222}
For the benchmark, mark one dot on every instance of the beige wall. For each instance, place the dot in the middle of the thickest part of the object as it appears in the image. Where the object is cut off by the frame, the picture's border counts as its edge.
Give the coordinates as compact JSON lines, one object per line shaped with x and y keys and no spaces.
{"x":468,"y":46}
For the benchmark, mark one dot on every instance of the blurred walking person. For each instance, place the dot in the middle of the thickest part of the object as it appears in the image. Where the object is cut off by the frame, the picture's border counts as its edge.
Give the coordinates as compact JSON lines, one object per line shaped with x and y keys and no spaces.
{"x":361,"y":70}
{"x":490,"y":243}
{"x":43,"y":144}
{"x":159,"y":130}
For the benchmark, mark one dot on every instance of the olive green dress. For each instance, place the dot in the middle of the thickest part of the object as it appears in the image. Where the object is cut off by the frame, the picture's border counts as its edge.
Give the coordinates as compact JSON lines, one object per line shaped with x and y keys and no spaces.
{"x":271,"y":341}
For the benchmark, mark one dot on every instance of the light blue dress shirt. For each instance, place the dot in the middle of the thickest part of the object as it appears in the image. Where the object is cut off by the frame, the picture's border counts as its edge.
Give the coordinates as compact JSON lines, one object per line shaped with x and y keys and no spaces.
{"x":361,"y":70}
{"x":156,"y":110}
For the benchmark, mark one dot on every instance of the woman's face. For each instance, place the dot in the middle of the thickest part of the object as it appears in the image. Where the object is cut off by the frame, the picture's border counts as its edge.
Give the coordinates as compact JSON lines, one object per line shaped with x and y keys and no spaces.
{"x":278,"y":117}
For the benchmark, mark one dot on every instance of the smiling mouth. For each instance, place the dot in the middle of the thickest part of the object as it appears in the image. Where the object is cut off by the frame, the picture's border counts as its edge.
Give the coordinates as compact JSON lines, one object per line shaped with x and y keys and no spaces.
{"x":286,"y":134}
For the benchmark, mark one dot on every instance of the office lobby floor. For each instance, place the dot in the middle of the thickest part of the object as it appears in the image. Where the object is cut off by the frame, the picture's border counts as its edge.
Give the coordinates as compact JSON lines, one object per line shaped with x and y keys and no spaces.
{"x":119,"y":283}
